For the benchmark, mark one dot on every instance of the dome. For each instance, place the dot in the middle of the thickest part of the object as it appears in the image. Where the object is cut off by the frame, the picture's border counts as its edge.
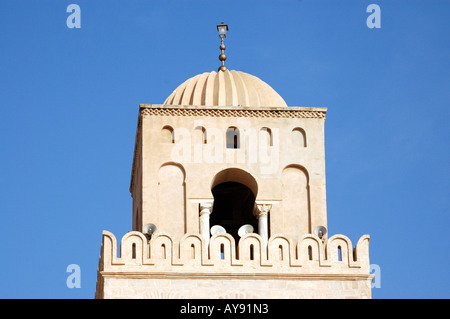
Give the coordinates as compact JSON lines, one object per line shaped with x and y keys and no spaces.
{"x":225,"y":88}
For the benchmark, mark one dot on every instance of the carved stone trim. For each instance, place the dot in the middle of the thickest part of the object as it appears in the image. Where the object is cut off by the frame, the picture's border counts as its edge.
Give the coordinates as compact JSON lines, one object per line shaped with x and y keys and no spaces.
{"x":289,"y":112}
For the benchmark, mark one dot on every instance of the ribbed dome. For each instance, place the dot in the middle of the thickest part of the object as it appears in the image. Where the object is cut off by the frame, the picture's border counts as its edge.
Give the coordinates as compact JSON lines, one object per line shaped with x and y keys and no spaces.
{"x":225,"y":88}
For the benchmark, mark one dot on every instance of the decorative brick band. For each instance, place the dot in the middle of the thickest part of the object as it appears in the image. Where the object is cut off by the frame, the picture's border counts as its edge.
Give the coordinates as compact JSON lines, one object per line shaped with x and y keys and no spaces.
{"x":228,"y":112}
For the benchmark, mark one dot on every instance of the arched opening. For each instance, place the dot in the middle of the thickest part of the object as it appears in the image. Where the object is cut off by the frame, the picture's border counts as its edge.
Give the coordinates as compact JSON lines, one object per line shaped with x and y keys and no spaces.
{"x":265,"y":136}
{"x":222,"y":251}
{"x":133,"y":251}
{"x":299,"y":137}
{"x":163,"y":251}
{"x":233,"y":138}
{"x":167,"y":134}
{"x":200,"y":135}
{"x":192,"y":251}
{"x":234,"y":192}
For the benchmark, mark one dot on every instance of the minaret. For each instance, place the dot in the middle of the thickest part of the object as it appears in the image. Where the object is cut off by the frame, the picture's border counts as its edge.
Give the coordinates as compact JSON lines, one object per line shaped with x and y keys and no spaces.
{"x":228,"y":187}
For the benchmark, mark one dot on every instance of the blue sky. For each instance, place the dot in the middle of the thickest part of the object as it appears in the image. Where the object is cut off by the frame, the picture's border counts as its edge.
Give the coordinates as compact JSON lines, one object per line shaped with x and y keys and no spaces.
{"x":69,"y":103}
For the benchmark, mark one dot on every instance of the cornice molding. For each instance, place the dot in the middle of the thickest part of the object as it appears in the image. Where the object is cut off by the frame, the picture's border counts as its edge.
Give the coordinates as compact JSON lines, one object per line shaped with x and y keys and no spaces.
{"x":214,"y":111}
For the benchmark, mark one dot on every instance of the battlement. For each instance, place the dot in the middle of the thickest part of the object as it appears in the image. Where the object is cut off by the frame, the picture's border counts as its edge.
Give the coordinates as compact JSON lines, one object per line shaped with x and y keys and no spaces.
{"x":192,"y":256}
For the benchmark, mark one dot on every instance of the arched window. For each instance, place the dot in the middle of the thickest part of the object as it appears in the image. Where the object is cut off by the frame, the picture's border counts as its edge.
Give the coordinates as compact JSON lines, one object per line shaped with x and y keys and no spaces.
{"x":192,"y":251}
{"x":299,"y":137}
{"x":265,"y":136}
{"x":222,"y":251}
{"x":200,"y":135}
{"x":252,"y":252}
{"x":167,"y":134}
{"x":280,"y":249}
{"x":233,"y":138}
{"x":133,"y":251}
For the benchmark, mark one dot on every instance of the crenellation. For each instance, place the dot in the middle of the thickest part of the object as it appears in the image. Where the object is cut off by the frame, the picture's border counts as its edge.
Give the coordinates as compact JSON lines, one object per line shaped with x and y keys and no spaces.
{"x":280,"y":251}
{"x":190,"y":253}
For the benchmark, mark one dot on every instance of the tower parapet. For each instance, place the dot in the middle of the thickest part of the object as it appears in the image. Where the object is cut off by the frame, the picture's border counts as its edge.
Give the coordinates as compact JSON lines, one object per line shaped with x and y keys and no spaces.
{"x":166,"y":266}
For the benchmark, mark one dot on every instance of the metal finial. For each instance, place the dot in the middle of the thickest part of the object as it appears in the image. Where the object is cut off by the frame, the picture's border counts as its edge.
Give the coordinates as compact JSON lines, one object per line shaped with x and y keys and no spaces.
{"x":222,"y":28}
